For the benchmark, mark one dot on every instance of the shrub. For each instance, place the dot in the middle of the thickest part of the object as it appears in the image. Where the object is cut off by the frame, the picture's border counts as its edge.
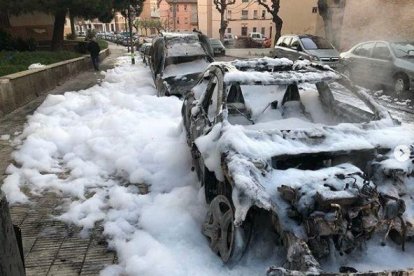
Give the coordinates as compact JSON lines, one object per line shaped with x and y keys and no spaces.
{"x":71,"y":36}
{"x":6,"y":41}
{"x":90,"y":34}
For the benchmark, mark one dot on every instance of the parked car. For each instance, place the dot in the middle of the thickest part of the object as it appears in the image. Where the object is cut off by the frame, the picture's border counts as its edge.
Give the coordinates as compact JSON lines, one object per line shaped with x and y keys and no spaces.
{"x":218,"y":47}
{"x":297,"y":145}
{"x":178,"y":60}
{"x":310,"y":47}
{"x":384,"y":63}
{"x":258,"y":37}
{"x":145,"y":52}
{"x":229,"y":39}
{"x":267,"y":42}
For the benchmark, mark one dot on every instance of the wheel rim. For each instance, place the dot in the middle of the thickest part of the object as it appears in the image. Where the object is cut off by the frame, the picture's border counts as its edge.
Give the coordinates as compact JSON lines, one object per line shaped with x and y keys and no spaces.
{"x":219,"y":227}
{"x":399,"y":86}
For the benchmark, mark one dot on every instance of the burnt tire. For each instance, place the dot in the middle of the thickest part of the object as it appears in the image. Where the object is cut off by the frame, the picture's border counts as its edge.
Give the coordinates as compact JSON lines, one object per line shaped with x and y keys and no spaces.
{"x":225,"y":239}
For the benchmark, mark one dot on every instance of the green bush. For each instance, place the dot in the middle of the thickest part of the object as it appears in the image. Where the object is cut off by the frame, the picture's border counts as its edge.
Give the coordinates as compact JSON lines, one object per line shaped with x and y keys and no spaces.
{"x":102,"y":43}
{"x":90,"y":34}
{"x":8,"y":43}
{"x":13,"y":61}
{"x":71,"y":36}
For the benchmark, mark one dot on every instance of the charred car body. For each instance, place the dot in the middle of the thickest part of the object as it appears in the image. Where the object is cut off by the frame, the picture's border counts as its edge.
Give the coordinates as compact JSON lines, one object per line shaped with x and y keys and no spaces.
{"x":300,"y":143}
{"x":177,"y":60}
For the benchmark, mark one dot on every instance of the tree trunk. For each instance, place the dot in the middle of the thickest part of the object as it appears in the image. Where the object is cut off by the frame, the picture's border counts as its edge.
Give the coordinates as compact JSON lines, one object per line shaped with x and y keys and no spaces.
{"x":72,"y":25}
{"x":11,"y":262}
{"x":223,"y":26}
{"x":278,"y":24}
{"x":58,"y":30}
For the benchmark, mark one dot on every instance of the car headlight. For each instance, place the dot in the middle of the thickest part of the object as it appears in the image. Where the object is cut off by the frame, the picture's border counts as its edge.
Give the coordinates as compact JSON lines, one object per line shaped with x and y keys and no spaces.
{"x":314,"y":58}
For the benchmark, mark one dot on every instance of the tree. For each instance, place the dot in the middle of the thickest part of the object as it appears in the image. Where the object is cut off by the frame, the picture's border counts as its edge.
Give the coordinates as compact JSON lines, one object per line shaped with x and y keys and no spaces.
{"x":221,"y":6}
{"x":329,"y":10}
{"x":88,"y":9}
{"x":273,"y":8}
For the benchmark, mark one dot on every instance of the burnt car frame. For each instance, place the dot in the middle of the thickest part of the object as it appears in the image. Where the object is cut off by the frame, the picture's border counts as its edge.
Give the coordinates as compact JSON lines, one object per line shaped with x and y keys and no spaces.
{"x":177,"y":60}
{"x":345,"y":206}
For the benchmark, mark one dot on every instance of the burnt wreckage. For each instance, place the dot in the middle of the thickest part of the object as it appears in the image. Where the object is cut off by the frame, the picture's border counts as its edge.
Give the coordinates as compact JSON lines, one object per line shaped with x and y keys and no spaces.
{"x":301,"y":143}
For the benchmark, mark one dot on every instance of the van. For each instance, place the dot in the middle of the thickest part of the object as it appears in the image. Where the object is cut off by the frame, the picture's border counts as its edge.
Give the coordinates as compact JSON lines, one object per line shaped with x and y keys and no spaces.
{"x":310,"y":47}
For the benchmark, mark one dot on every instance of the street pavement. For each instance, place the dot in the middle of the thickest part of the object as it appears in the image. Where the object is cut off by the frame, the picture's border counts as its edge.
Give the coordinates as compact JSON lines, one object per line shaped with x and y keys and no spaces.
{"x":50,"y":246}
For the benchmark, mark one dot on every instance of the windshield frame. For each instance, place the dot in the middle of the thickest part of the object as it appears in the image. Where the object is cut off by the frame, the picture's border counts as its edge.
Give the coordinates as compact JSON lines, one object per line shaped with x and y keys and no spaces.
{"x":396,"y":51}
{"x":319,"y":42}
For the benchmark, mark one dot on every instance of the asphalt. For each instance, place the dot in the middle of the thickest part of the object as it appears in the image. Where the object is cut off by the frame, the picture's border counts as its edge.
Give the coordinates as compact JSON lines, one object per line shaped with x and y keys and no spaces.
{"x":52,"y":247}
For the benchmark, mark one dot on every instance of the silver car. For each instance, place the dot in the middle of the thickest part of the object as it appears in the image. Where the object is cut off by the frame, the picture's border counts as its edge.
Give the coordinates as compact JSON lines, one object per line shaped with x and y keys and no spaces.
{"x":313,"y":48}
{"x":381,"y":63}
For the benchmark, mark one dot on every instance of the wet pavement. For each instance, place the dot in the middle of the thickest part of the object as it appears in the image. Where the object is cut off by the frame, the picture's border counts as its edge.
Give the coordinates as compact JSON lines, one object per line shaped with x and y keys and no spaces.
{"x":51,"y":247}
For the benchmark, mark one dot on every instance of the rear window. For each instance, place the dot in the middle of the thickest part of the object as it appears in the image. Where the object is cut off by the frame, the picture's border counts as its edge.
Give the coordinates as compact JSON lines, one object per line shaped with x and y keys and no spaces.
{"x":314,"y":43}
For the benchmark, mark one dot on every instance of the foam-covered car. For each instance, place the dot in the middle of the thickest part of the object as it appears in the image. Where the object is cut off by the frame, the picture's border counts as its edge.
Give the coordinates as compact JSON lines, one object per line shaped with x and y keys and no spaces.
{"x":178,"y":60}
{"x":300,"y":145}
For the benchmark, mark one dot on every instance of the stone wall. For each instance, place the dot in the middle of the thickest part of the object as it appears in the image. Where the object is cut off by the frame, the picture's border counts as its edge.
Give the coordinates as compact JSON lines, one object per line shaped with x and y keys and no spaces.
{"x":20,"y":88}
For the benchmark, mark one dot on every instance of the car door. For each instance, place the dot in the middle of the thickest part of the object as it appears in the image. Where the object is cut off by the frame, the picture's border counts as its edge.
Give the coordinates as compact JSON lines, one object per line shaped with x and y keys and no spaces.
{"x":209,"y":107}
{"x":382,"y":64}
{"x":359,"y":64}
{"x":281,"y":47}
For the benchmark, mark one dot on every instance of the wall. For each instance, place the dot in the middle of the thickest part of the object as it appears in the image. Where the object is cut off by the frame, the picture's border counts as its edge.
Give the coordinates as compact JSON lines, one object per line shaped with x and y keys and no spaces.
{"x":377,"y":19}
{"x":186,"y":14}
{"x":36,"y":25}
{"x":20,"y":88}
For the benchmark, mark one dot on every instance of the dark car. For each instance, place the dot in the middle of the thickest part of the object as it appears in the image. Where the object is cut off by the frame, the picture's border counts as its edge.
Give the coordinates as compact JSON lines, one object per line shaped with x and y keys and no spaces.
{"x":178,"y":60}
{"x":310,"y":47}
{"x":384,"y":63}
{"x":218,"y":47}
{"x":274,"y":141}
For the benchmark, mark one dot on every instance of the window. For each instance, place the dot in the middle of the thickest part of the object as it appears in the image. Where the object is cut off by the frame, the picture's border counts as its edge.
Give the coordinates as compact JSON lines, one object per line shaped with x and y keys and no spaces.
{"x":254,"y":29}
{"x":263,"y":31}
{"x":229,"y":30}
{"x":263,"y":14}
{"x":185,"y":7}
{"x":364,"y":50}
{"x":381,"y":51}
{"x":295,"y":44}
{"x":315,"y":42}
{"x":244,"y":14}
{"x":315,"y":10}
{"x":244,"y":31}
{"x":255,"y":14}
{"x":245,"y":1}
{"x":228,"y":15}
{"x":171,"y":9}
{"x":177,"y":7}
{"x":178,"y":20}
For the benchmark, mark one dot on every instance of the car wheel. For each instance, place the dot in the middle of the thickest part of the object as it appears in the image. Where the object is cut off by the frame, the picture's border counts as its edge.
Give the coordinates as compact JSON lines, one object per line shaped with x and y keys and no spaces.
{"x":226,"y":240}
{"x":401,"y":84}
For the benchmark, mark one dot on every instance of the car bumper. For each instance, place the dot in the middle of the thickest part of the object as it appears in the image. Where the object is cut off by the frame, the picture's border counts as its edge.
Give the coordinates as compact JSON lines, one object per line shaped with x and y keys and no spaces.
{"x":334,"y":65}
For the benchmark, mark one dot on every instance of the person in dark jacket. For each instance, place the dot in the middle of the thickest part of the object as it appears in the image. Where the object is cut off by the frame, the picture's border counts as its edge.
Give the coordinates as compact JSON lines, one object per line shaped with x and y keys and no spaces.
{"x":94,"y":49}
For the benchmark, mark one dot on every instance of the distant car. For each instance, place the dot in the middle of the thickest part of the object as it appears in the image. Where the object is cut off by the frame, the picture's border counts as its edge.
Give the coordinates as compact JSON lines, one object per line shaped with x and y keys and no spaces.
{"x":218,"y":47}
{"x":310,"y":47}
{"x":388,"y":64}
{"x":178,"y":60}
{"x":258,"y":37}
{"x":267,"y":42}
{"x":229,"y":39}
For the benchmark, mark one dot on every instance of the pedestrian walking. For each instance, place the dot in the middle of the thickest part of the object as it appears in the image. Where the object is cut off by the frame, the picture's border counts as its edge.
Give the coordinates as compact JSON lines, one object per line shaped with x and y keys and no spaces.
{"x":94,"y":49}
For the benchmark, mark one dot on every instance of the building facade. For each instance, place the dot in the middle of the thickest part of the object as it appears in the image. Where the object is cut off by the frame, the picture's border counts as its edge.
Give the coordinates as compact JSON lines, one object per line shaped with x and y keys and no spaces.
{"x":245,"y":16}
{"x":179,"y":15}
{"x":118,"y":24}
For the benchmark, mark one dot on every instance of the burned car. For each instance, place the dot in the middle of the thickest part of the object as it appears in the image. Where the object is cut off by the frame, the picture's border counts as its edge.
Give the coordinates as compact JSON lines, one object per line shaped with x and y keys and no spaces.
{"x":302,"y":146}
{"x":178,"y":60}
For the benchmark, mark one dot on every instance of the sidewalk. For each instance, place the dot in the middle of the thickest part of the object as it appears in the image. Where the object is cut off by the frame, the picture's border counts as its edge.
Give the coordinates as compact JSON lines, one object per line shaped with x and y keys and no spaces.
{"x":51,"y":247}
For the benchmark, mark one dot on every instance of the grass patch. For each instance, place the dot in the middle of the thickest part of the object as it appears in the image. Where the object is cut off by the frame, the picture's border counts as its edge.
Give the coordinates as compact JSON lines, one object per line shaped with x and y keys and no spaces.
{"x":13,"y":61}
{"x":102,"y":43}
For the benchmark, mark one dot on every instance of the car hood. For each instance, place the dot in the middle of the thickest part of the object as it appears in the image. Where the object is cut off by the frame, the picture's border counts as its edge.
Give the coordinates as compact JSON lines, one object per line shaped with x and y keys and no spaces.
{"x":324,"y":53}
{"x":180,"y":85}
{"x":405,"y":63}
